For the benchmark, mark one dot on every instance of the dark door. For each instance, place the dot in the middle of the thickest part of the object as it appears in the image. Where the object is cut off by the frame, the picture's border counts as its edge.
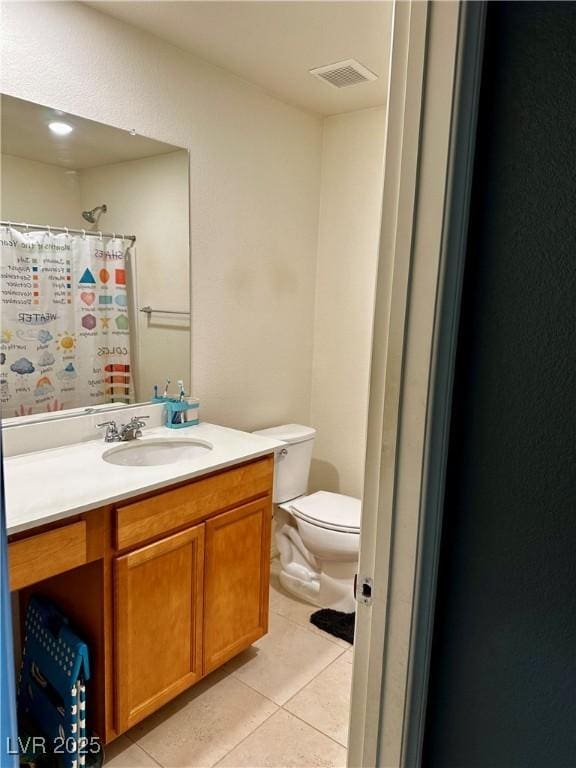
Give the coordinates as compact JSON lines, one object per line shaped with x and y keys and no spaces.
{"x":503,"y":669}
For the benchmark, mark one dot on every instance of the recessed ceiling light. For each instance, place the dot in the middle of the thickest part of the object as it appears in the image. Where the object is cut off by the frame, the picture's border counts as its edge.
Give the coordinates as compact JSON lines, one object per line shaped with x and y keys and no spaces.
{"x":61,"y":129}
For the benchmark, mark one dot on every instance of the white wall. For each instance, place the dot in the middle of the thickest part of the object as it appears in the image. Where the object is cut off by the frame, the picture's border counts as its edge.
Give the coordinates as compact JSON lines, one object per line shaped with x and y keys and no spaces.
{"x":39,"y":193}
{"x":254,"y":167}
{"x":349,"y":229}
{"x":282,"y":295}
{"x":149,"y":198}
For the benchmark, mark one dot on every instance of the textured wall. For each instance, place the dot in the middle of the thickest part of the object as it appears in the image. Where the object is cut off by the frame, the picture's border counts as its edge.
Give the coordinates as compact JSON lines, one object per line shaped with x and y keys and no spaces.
{"x":254,"y":166}
{"x":504,"y":657}
{"x":348,"y":237}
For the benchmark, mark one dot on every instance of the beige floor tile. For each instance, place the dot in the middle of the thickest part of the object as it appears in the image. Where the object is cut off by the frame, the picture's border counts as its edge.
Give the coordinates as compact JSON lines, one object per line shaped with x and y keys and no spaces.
{"x":286,"y":742}
{"x":284,"y":660}
{"x":325,"y":702}
{"x":123,"y":753}
{"x":203,"y":724}
{"x":298,"y":611}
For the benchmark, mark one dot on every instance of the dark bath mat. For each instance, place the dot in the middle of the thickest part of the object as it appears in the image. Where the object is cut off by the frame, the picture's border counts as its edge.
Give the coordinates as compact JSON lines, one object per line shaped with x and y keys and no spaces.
{"x":335,"y":623}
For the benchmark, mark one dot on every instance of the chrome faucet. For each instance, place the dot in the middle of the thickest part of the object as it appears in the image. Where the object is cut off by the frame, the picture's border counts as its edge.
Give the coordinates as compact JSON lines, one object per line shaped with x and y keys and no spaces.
{"x":126,"y":432}
{"x":133,"y":429}
{"x":111,"y":435}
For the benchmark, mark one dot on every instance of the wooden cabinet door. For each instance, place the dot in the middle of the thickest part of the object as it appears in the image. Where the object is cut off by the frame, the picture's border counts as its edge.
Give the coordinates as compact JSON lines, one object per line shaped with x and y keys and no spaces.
{"x":159,"y":601}
{"x":237,"y":577}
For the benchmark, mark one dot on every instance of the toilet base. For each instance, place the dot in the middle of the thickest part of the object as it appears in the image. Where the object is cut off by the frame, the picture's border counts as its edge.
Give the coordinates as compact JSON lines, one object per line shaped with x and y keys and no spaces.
{"x":332,"y":588}
{"x":305,"y":590}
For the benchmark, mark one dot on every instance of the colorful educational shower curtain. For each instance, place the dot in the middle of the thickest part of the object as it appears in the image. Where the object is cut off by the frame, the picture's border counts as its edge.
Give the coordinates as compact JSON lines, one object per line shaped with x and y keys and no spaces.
{"x":64,"y":324}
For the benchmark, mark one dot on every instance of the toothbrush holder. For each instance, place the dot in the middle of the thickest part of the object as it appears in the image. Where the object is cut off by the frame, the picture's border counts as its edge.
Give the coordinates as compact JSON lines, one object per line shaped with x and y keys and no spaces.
{"x":186,"y":410}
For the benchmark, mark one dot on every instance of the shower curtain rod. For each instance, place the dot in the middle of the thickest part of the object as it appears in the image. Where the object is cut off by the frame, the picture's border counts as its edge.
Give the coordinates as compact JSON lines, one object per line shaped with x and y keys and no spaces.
{"x":67,"y":230}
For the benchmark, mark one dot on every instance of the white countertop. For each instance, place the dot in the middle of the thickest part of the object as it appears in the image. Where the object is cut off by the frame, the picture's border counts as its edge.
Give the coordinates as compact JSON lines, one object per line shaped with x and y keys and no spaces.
{"x":52,"y":484}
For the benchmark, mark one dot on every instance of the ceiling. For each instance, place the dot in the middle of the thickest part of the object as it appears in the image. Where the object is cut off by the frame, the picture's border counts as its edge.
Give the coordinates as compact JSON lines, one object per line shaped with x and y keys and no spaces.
{"x":275,"y":44}
{"x":25,"y":133}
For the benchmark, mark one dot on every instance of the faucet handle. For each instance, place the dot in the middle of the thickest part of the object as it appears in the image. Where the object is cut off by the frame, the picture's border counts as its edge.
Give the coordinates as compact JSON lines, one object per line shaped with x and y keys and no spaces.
{"x":112,"y":433}
{"x":135,"y":425}
{"x":138,"y":420}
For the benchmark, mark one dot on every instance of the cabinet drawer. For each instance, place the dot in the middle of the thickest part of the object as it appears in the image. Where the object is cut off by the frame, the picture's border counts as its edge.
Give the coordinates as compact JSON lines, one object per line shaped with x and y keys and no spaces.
{"x":39,"y":557}
{"x":165,"y":512}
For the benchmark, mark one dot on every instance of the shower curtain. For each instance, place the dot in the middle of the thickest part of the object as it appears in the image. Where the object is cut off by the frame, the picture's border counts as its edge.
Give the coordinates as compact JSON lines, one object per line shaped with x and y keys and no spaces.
{"x":64,"y":324}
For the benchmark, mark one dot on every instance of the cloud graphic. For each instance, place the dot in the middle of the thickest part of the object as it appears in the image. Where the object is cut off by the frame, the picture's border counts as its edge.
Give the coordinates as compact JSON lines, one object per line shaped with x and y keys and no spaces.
{"x":44,"y":337}
{"x":27,"y":334}
{"x":22,"y":366}
{"x":69,"y":372}
{"x":43,"y":391}
{"x":45,"y":359}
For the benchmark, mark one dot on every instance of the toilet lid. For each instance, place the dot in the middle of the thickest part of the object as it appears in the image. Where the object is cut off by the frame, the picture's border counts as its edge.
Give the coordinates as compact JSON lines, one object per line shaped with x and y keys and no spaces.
{"x":329,"y":510}
{"x":288,"y":433}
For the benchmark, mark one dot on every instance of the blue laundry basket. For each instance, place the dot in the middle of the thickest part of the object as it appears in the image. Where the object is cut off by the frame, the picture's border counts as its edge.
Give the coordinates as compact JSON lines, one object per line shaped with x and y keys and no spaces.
{"x":52,"y":685}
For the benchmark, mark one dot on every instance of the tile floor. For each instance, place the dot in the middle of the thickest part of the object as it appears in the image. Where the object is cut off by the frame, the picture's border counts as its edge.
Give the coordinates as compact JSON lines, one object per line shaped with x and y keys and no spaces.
{"x":282,"y":703}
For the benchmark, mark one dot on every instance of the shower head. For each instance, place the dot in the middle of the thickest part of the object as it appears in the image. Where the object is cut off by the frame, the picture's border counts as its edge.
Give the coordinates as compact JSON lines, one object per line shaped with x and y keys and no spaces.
{"x":93,"y":215}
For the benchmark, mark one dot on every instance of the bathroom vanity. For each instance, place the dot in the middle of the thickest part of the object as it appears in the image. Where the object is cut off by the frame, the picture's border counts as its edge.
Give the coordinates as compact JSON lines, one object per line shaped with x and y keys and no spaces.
{"x":164,"y":570}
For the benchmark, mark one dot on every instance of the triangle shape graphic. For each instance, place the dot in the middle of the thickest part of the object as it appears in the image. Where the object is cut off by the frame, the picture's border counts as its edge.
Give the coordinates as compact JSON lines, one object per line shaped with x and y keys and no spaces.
{"x":87,"y":278}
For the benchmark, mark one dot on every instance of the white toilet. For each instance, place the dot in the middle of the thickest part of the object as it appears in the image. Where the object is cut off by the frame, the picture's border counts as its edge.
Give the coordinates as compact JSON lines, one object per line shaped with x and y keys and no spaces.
{"x":317,"y":535}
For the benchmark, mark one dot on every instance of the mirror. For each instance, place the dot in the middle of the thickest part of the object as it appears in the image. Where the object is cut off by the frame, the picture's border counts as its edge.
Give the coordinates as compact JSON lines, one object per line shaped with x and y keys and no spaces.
{"x":94,"y":264}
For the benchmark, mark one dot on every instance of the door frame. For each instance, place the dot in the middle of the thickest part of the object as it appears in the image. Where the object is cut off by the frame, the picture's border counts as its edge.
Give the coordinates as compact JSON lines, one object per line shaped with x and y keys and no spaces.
{"x":8,"y":727}
{"x":435,"y":67}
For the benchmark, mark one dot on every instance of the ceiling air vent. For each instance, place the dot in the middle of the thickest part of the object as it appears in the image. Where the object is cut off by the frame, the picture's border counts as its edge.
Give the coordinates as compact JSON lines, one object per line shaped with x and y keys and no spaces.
{"x":344,"y":73}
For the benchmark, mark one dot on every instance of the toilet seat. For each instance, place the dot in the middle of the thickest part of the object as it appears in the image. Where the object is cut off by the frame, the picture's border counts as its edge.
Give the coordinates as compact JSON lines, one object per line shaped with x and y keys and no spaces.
{"x":332,"y":511}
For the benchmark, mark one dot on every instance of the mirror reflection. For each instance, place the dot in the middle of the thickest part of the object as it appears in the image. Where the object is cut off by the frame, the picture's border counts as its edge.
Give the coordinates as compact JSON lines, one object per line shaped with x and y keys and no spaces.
{"x":95,"y":223}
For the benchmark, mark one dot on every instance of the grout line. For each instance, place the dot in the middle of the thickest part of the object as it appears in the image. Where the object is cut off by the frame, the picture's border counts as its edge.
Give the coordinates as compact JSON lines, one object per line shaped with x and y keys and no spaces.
{"x":281,"y":706}
{"x":248,"y":734}
{"x":295,"y":623}
{"x":135,"y":744}
{"x":229,"y":674}
{"x":311,"y":681}
{"x":324,"y":635}
{"x":239,"y":680}
{"x":342,"y":746}
{"x":316,"y":632}
{"x":315,"y":728}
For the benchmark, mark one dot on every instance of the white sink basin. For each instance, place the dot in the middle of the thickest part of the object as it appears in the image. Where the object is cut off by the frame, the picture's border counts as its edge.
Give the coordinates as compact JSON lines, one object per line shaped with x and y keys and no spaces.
{"x":153,"y":453}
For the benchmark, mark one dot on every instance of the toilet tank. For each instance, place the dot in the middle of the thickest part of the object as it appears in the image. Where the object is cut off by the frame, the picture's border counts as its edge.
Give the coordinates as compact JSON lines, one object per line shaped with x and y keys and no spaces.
{"x":292,"y":462}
